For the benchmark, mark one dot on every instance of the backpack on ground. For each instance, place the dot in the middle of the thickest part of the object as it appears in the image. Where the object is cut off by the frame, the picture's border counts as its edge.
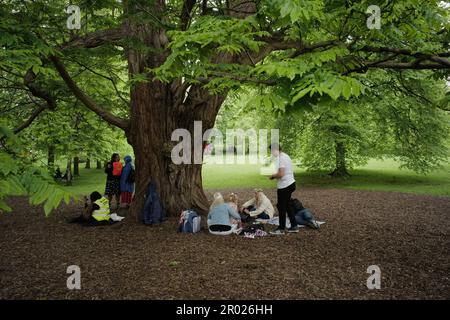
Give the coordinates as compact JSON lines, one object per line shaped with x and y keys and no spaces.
{"x":189,"y":222}
{"x":153,"y":210}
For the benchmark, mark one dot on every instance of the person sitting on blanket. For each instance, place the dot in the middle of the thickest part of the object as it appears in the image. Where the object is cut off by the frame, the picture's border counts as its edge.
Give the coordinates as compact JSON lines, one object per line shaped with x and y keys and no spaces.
{"x":259,"y":207}
{"x":233,"y":201}
{"x":96,"y":210}
{"x":222,"y":219}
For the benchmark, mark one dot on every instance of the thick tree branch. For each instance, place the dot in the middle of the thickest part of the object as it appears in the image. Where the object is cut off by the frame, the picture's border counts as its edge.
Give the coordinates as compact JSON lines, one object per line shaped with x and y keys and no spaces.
{"x":440,"y":60}
{"x":86,"y":100}
{"x":95,"y":39}
{"x":29,"y":79}
{"x":34,"y":90}
{"x":405,"y":65}
{"x":277,"y":43}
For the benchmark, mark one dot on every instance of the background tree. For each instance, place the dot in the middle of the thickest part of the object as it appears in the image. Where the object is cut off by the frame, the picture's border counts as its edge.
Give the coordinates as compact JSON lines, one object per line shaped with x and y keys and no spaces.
{"x":400,"y":116}
{"x":19,"y":177}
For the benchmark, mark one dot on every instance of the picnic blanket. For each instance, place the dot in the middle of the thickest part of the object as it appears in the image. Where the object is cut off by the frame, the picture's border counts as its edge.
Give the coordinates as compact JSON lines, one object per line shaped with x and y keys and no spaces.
{"x":276,"y":221}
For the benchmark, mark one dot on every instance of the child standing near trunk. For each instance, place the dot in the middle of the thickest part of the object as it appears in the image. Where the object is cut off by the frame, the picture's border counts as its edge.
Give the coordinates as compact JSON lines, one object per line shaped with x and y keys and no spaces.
{"x":127,"y":182}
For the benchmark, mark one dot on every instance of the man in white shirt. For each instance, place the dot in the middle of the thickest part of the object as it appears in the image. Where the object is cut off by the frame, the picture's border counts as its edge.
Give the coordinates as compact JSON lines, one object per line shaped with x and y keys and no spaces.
{"x":285,"y":187}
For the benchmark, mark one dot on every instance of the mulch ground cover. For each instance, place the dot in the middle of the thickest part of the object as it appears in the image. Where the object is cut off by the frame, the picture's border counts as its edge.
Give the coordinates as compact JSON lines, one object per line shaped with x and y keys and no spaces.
{"x":406,"y":235}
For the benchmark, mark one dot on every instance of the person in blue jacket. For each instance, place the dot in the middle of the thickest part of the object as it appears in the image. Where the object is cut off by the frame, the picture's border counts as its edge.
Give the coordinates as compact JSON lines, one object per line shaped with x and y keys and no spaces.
{"x":127,"y":182}
{"x":222,"y":219}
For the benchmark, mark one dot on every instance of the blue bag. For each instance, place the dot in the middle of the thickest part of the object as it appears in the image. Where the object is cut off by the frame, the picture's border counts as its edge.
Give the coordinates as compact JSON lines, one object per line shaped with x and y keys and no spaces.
{"x":190,"y":222}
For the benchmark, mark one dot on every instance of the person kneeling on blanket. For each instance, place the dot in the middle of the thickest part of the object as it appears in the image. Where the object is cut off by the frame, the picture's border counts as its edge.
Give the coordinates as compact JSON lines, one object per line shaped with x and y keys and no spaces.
{"x":222,"y":219}
{"x":258,"y":207}
{"x":96,"y":210}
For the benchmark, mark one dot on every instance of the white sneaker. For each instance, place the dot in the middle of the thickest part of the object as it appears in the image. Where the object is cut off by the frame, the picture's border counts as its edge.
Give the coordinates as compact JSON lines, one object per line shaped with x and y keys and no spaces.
{"x":115,"y":217}
{"x":277,"y":232}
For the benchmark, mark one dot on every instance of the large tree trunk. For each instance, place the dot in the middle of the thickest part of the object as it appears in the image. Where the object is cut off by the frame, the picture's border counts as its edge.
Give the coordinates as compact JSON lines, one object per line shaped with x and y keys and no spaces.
{"x":341,"y":167}
{"x":157,"y":109}
{"x":155,"y":116}
{"x":99,"y":164}
{"x":88,"y":163}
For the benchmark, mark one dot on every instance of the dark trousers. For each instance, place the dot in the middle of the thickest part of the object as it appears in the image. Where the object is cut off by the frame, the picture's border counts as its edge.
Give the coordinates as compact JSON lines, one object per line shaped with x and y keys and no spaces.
{"x":262,"y":215}
{"x":284,"y":195}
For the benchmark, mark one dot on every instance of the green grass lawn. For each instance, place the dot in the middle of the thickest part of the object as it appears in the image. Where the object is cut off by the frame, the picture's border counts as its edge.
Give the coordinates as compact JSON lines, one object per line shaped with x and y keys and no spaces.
{"x":377,"y":175}
{"x":383,"y":176}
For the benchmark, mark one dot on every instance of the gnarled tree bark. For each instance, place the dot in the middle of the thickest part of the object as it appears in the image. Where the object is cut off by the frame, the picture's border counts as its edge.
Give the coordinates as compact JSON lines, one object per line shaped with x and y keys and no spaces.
{"x":157,"y":109}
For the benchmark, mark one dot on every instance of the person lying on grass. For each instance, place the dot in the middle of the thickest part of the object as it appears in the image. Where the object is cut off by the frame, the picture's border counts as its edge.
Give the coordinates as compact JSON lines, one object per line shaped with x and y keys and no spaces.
{"x":222,"y":219}
{"x":259,"y":207}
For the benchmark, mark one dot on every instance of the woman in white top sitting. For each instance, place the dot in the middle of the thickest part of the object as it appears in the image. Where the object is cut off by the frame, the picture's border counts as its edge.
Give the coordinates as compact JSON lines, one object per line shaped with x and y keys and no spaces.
{"x":259,"y":207}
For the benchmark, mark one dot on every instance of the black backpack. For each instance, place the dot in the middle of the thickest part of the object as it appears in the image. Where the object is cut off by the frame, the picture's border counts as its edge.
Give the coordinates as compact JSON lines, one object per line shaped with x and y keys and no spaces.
{"x":131,"y":176}
{"x":295,"y":206}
